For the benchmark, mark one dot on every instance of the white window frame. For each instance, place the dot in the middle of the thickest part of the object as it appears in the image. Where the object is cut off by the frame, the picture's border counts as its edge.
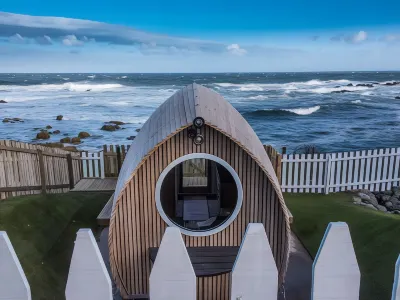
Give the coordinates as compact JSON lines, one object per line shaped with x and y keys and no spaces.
{"x":212,"y":231}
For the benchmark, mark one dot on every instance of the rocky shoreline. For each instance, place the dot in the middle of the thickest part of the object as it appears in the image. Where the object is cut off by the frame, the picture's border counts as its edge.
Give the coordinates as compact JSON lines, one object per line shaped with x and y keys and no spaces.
{"x":387,"y":201}
{"x":67,"y":142}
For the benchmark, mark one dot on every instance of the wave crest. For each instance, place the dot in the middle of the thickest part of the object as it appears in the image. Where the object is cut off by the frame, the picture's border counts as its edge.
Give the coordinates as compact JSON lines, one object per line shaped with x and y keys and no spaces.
{"x":287,"y":111}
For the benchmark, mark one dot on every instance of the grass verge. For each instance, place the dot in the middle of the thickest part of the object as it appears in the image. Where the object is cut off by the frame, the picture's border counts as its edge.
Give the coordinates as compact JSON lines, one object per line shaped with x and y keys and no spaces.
{"x":42,"y":230}
{"x":375,"y":236}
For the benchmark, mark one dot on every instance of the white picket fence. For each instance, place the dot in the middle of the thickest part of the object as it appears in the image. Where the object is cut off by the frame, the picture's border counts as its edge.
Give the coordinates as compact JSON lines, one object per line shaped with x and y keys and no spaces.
{"x":93,"y":164}
{"x":375,"y":170}
{"x":335,"y":273}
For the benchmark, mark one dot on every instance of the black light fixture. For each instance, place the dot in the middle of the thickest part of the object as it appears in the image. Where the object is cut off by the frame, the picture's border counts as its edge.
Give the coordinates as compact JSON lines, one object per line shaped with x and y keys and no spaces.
{"x":192,"y":132}
{"x":198,"y":122}
{"x":198,"y":140}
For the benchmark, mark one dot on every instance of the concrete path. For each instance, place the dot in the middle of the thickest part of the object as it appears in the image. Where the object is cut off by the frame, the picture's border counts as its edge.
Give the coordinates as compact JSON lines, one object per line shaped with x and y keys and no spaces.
{"x":298,"y":276}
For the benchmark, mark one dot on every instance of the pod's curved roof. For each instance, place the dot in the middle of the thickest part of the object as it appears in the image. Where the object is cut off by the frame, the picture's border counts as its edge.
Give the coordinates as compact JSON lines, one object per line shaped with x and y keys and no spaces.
{"x":177,"y":113}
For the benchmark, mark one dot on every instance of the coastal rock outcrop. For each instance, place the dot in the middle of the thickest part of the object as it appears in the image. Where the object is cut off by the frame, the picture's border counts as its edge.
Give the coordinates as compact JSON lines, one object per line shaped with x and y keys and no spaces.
{"x":3,"y":101}
{"x":65,"y":140}
{"x":75,"y":140}
{"x":392,"y":83}
{"x":43,"y":135}
{"x":83,"y":135}
{"x":110,"y":127}
{"x":116,"y":122}
{"x":59,"y":117}
{"x":131,"y":138}
{"x":342,"y":91}
{"x":48,"y":127}
{"x":397,"y":97}
{"x":13,"y":120}
{"x":56,"y":131}
{"x":370,"y":85}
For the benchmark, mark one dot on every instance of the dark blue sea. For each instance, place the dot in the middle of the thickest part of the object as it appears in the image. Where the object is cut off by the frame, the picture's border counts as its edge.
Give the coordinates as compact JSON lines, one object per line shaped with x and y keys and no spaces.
{"x":334,"y":111}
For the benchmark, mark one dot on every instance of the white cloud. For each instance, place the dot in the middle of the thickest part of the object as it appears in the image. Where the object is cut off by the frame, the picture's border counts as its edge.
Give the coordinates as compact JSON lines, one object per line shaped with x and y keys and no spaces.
{"x":17,"y":39}
{"x":235,"y":49}
{"x":86,"y":30}
{"x":44,"y":40}
{"x":391,"y":38}
{"x":357,"y":38}
{"x":72,"y":40}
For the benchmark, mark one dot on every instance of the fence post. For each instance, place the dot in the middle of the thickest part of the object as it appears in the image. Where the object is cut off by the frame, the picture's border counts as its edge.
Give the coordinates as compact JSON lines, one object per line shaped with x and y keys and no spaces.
{"x":284,"y":150}
{"x":102,"y":175}
{"x":336,"y":274}
{"x":118,"y":158}
{"x":254,"y":274}
{"x":328,"y":173}
{"x":70,"y":171}
{"x":396,"y":281}
{"x":172,"y":276}
{"x":279,"y":167}
{"x":88,"y":277}
{"x":42,"y":171}
{"x":13,"y":282}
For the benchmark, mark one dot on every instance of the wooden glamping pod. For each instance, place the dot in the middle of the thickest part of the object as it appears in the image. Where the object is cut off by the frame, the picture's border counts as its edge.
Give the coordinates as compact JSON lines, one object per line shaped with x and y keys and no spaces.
{"x":198,"y":165}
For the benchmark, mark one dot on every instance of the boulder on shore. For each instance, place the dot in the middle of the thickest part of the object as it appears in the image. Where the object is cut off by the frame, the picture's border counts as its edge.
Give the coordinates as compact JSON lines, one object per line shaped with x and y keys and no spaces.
{"x":75,"y":140}
{"x":59,"y":117}
{"x":43,"y":135}
{"x":48,"y":127}
{"x":341,"y":91}
{"x":13,"y":120}
{"x":65,"y":140}
{"x":3,"y":101}
{"x":56,"y":131}
{"x":116,"y":122}
{"x":392,"y":83}
{"x":397,"y":97}
{"x":131,"y":138}
{"x":83,"y":134}
{"x":137,"y":130}
{"x":110,"y":127}
{"x":366,"y":85}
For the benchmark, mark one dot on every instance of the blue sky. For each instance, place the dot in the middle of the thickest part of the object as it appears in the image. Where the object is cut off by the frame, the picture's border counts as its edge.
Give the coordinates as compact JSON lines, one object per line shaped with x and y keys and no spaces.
{"x":206,"y":36}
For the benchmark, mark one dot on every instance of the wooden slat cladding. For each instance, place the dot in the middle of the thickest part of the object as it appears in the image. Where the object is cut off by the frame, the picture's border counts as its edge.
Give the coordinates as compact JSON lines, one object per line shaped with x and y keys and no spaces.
{"x":136,"y":224}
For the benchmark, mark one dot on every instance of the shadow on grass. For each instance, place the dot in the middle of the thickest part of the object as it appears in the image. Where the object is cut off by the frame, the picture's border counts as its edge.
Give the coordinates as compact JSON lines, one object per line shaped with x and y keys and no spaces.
{"x":42,"y":230}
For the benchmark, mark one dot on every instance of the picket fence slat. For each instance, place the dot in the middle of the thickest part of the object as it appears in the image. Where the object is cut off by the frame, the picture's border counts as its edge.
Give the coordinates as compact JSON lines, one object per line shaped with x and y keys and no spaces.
{"x":375,"y":170}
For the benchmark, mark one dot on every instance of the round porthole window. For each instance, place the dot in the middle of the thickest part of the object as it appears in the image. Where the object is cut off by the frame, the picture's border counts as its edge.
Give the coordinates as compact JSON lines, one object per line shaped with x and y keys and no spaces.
{"x":199,"y":193}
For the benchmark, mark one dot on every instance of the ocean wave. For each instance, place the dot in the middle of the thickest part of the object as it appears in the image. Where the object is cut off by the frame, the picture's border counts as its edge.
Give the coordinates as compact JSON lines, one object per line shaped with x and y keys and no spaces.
{"x":258,"y":97}
{"x":286,"y":111}
{"x":301,"y":86}
{"x":328,"y":90}
{"x":356,"y":101}
{"x":304,"y":111}
{"x":68,"y":86}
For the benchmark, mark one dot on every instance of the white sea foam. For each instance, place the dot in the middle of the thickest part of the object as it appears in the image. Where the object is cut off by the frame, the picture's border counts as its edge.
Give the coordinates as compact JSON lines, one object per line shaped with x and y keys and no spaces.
{"x":356,"y":101}
{"x":304,"y":111}
{"x":124,"y":77}
{"x":302,"y":86}
{"x":92,"y":76}
{"x":327,"y":90}
{"x":259,"y":97}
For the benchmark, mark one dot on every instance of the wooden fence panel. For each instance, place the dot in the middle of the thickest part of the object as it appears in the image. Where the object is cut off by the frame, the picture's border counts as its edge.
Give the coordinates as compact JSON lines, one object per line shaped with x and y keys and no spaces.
{"x":376,"y":170}
{"x":27,"y":169}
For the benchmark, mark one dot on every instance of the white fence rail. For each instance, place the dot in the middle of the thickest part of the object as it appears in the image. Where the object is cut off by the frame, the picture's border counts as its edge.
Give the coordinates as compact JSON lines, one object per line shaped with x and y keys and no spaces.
{"x":375,"y":170}
{"x":335,"y":272}
{"x":93,"y":164}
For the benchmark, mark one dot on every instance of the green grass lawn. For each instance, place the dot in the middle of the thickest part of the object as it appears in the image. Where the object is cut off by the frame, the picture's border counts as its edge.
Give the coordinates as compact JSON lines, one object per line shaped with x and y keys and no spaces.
{"x":42,"y":230}
{"x":375,"y":235}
